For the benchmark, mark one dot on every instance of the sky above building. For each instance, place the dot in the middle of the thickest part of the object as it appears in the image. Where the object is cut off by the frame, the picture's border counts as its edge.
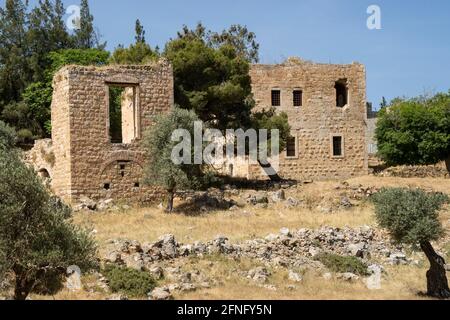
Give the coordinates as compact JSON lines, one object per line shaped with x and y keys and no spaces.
{"x":408,"y":56}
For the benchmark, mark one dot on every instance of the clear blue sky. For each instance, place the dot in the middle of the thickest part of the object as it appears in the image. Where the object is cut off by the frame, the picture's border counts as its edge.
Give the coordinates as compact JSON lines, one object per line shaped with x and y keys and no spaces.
{"x":410,"y":55}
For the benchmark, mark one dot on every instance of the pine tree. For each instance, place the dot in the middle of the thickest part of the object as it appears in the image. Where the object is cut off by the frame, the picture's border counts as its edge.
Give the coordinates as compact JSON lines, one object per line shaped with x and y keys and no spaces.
{"x":47,"y":32}
{"x":85,"y":36}
{"x":14,"y":69}
{"x":140,"y":32}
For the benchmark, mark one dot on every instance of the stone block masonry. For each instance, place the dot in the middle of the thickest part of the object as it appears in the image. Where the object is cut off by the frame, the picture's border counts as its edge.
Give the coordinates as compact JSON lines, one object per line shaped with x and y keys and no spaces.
{"x":326,"y":106}
{"x":88,"y":162}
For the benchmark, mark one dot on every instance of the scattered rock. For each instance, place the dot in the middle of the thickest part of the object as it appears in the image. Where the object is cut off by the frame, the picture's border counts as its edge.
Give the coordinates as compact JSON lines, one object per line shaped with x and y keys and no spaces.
{"x":160,"y":294}
{"x":327,"y":276}
{"x":157,"y":272}
{"x":278,"y":196}
{"x":285,"y":232}
{"x":398,"y":258}
{"x":259,"y":274}
{"x":118,"y":297}
{"x":348,"y":276}
{"x":291,"y":203}
{"x":259,"y":198}
{"x":295,"y":277}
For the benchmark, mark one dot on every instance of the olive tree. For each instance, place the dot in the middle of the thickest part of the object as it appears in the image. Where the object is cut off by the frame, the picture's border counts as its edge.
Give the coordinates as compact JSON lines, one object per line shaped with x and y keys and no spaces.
{"x":412,"y":218}
{"x":161,"y":170}
{"x":37,"y":238}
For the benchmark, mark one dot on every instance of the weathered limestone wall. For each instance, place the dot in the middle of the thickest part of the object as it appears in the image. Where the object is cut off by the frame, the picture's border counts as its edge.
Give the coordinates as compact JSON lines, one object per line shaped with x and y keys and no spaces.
{"x":61,"y":135}
{"x":318,"y":119}
{"x":87,"y":163}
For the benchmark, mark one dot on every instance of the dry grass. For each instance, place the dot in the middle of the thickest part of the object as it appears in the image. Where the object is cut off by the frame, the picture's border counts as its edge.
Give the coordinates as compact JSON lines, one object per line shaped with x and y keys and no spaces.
{"x":147,"y":224}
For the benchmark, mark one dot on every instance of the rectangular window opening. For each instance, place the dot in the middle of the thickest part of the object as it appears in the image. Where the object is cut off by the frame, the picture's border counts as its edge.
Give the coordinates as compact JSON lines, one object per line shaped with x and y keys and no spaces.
{"x":298,"y":98}
{"x":291,"y":147}
{"x":337,"y":147}
{"x":123,"y":115}
{"x":341,"y":93}
{"x":276,"y":98}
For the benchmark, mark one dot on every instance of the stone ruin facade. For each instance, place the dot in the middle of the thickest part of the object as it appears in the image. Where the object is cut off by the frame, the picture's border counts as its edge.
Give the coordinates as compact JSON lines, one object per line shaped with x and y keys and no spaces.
{"x":326,"y":107}
{"x":85,"y":158}
{"x":325,"y":103}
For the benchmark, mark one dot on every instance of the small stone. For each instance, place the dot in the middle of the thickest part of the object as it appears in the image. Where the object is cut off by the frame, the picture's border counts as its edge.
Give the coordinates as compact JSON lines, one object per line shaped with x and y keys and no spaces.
{"x":157,"y":272}
{"x":278,"y":196}
{"x":295,"y":277}
{"x":259,"y":274}
{"x":271,"y":237}
{"x":285,"y":232}
{"x":327,"y":276}
{"x":118,"y":297}
{"x":291,"y":203}
{"x":348,"y":276}
{"x":160,"y":294}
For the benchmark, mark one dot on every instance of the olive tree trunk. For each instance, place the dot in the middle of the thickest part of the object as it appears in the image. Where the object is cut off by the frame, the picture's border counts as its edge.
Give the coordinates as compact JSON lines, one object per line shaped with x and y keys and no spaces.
{"x":23,"y":286}
{"x":170,"y":196}
{"x":437,"y":284}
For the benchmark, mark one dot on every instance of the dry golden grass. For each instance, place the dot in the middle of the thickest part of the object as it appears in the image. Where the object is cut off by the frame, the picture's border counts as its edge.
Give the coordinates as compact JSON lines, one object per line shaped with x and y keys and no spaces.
{"x":147,"y":224}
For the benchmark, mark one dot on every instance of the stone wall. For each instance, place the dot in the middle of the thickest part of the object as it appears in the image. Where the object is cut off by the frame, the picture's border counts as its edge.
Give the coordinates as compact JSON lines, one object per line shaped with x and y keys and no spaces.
{"x":318,"y":119}
{"x":87,"y":163}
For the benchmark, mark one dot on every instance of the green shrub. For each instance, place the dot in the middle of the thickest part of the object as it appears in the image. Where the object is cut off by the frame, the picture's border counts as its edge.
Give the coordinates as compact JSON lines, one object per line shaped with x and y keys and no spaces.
{"x":8,"y":137}
{"x":410,"y":216}
{"x":38,"y":240}
{"x":131,"y":282}
{"x":342,"y":264}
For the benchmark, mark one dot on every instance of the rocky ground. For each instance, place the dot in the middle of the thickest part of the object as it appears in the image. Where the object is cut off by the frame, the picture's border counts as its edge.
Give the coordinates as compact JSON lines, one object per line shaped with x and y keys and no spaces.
{"x":289,"y":249}
{"x":278,"y":260}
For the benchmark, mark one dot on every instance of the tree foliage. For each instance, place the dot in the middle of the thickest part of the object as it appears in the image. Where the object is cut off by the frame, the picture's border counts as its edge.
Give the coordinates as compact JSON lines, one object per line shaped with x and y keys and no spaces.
{"x":215,"y":83}
{"x":161,"y":170}
{"x":411,"y":216}
{"x":415,"y":131}
{"x":36,"y":235}
{"x":211,"y":74}
{"x":138,"y":53}
{"x":8,"y":136}
{"x":27,"y":37}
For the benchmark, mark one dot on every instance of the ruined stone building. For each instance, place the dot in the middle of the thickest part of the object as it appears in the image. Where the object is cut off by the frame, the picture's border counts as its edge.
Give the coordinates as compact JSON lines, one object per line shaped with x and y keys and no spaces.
{"x":96,"y":151}
{"x":85,"y":157}
{"x":326,"y":106}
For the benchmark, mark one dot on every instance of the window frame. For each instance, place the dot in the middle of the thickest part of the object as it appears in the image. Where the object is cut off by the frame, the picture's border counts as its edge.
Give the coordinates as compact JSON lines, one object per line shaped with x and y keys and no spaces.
{"x":294,"y":91}
{"x":295,"y":137}
{"x":136,"y":111}
{"x":272,"y":97}
{"x":332,"y":139}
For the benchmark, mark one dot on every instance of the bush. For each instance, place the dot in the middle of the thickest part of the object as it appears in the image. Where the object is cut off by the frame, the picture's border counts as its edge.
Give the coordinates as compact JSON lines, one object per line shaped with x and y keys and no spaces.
{"x":8,"y":137}
{"x":38,"y":242}
{"x":131,"y":282}
{"x":415,"y":131}
{"x":411,"y":216}
{"x":343,"y":264}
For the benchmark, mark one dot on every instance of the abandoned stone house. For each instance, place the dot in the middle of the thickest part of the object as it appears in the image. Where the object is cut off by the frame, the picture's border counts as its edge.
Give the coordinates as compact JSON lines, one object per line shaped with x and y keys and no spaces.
{"x":326,"y":107}
{"x":86,"y":157}
{"x":325,"y":103}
